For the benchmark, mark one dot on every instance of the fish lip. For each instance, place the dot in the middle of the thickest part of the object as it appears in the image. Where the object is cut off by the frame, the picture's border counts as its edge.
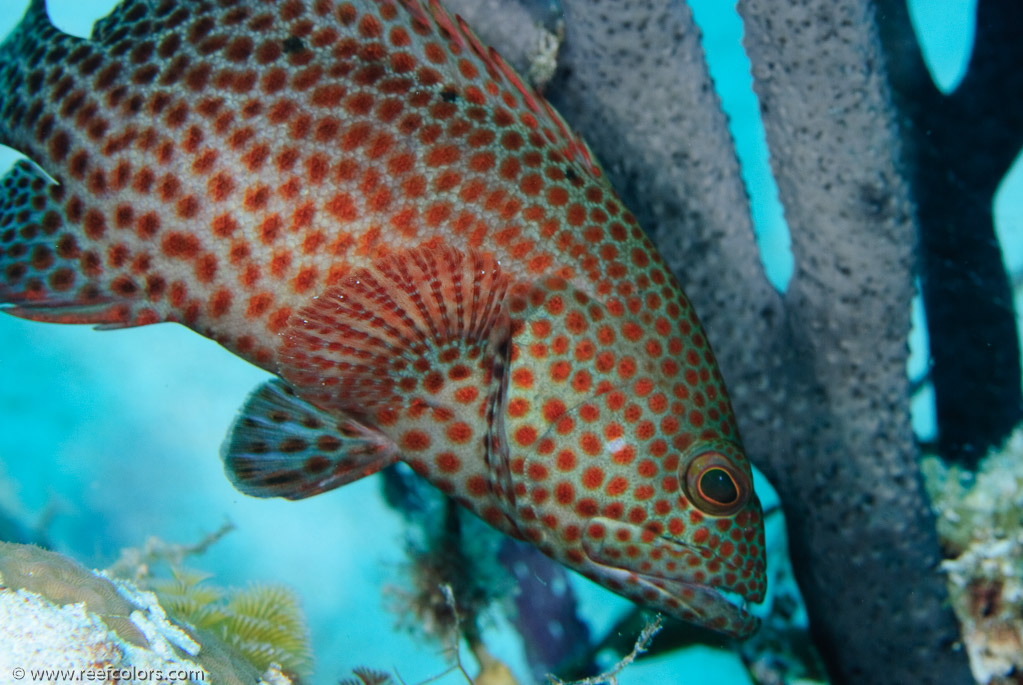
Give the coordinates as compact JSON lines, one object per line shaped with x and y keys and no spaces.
{"x":736,"y":599}
{"x":732,"y":602}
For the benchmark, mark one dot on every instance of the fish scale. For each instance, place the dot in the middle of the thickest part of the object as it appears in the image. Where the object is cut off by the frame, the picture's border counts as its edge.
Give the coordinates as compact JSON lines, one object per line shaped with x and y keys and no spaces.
{"x":363,"y":199}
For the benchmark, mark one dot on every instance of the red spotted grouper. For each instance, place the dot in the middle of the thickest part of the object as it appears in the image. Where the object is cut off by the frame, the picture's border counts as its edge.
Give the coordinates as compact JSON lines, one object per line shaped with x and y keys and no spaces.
{"x":364,"y":200}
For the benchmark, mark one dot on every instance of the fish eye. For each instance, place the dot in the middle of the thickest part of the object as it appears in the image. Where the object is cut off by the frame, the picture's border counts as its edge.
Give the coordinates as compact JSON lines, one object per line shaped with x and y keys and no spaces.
{"x":715,"y":485}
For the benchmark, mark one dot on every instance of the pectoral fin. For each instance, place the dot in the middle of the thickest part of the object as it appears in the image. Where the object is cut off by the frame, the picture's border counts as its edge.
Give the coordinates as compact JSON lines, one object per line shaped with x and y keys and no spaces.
{"x":399,"y":333}
{"x":416,"y":344}
{"x":282,"y":446}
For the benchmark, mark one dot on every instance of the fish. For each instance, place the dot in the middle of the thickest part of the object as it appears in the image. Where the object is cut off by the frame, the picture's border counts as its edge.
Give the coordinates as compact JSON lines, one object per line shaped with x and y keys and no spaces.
{"x":363,"y":199}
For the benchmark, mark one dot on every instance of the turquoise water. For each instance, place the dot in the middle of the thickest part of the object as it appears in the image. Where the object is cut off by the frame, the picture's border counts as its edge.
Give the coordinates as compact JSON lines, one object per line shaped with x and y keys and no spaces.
{"x":116,"y":434}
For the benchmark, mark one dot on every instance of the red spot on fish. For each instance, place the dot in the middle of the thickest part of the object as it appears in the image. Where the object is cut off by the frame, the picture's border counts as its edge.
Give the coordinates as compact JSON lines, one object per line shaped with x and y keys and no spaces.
{"x":94,"y":224}
{"x":187,"y":207}
{"x":342,"y":206}
{"x":442,"y":156}
{"x":219,"y":303}
{"x":279,"y":264}
{"x":256,"y":198}
{"x":448,"y":462}
{"x":206,"y":268}
{"x":205,"y":162}
{"x":476,"y":485}
{"x":180,"y":245}
{"x":525,"y":435}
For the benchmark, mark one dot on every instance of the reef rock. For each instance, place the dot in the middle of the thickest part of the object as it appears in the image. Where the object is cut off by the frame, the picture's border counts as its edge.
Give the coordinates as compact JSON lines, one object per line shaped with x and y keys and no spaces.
{"x":980,"y":524}
{"x":56,"y":615}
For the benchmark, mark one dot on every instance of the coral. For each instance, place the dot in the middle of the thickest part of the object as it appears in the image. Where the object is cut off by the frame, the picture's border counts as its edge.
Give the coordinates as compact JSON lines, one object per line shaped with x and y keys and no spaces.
{"x":980,"y":523}
{"x":55,"y":613}
{"x":978,"y":506}
{"x":642,"y":644}
{"x":186,"y":598}
{"x":63,"y":581}
{"x":446,"y":548}
{"x":259,"y":627}
{"x":39,"y":634}
{"x":986,"y":587}
{"x":453,"y":574}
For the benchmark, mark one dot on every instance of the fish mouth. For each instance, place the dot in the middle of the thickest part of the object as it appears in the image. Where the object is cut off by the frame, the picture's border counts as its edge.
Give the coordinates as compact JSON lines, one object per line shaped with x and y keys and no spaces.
{"x":672,"y":576}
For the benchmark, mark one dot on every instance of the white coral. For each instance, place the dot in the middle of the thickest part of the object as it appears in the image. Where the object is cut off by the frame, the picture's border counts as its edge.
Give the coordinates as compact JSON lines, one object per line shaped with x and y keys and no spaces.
{"x":38,"y":635}
{"x":35,"y":634}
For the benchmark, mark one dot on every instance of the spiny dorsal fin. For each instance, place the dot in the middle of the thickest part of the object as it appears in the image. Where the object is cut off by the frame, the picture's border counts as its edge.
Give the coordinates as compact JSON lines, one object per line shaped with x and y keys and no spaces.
{"x":281,"y":446}
{"x":529,"y":106}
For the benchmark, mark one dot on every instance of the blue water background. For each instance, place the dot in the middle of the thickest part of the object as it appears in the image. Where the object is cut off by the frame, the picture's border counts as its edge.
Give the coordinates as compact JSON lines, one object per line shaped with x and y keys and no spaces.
{"x":117,"y":433}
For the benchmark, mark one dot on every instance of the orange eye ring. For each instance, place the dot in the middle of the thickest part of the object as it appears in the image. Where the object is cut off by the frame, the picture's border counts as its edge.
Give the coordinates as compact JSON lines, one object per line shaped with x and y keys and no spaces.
{"x":715,"y":485}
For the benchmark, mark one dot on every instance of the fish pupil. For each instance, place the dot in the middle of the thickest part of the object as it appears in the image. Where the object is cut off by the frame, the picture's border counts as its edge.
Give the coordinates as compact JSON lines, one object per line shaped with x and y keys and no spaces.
{"x":717,"y":486}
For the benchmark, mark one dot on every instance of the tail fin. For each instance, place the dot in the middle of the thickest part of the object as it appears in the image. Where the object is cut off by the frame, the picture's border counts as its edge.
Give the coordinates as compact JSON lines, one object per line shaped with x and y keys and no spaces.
{"x":43,"y":273}
{"x":34,"y":22}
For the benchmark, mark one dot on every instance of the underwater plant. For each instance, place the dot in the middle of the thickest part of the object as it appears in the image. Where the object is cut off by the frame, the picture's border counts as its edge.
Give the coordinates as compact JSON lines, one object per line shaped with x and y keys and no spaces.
{"x":260,"y":626}
{"x":956,"y":167}
{"x":451,"y":579}
{"x":263,"y":623}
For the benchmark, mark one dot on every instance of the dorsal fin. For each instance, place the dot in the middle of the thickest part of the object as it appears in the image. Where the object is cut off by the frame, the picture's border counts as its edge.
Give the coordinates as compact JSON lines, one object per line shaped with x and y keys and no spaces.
{"x":530,"y":107}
